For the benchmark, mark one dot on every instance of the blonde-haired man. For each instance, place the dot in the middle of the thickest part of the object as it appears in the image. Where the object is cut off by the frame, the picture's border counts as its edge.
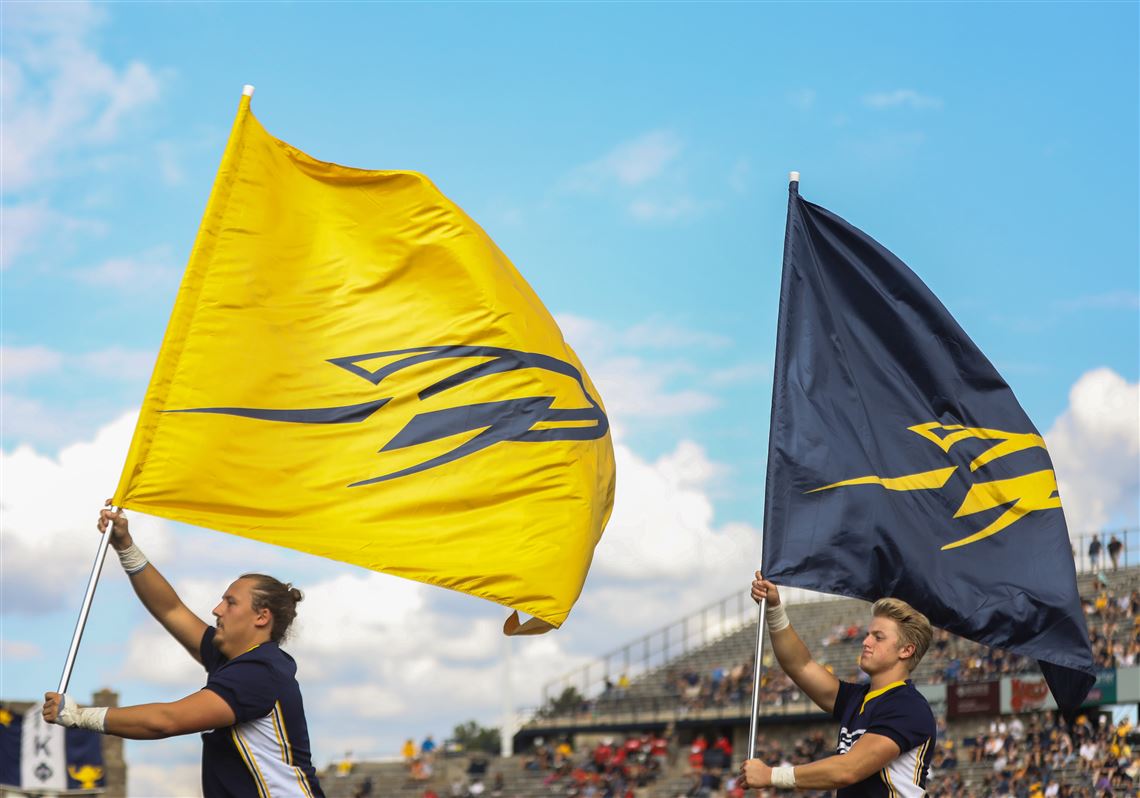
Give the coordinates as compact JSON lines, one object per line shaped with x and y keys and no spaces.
{"x":886,"y":728}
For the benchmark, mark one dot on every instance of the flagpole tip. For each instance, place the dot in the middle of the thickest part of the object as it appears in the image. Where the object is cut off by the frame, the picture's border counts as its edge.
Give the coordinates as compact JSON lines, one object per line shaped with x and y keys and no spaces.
{"x":793,"y":177}
{"x":247,"y":90}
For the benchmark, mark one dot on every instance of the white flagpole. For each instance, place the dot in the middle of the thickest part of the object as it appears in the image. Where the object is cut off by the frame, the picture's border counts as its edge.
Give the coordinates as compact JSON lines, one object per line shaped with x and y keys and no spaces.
{"x":757,"y":677}
{"x":507,"y":730}
{"x":84,"y":610}
{"x":757,"y":672}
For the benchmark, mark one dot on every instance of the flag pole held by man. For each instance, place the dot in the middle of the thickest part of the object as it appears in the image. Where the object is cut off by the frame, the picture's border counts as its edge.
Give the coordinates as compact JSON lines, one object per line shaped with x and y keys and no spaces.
{"x":901,"y":465}
{"x":352,"y":369}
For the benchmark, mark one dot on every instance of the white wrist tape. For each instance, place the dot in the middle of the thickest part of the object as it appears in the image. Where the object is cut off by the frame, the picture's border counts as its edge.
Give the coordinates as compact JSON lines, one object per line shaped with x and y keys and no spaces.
{"x":777,"y":618}
{"x":74,"y":717}
{"x":784,"y":777}
{"x":133,"y":559}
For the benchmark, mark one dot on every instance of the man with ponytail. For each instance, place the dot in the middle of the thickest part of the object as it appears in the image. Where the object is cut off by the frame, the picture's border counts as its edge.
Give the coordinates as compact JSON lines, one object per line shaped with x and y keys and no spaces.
{"x":250,"y":713}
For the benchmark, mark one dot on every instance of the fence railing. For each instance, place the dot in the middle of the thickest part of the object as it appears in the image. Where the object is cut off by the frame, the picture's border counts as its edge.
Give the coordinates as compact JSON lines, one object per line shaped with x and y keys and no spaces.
{"x":730,"y":613}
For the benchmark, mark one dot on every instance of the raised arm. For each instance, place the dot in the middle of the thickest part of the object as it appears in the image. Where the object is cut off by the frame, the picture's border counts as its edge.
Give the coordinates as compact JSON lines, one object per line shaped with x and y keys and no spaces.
{"x":820,"y":686}
{"x":151,"y":587}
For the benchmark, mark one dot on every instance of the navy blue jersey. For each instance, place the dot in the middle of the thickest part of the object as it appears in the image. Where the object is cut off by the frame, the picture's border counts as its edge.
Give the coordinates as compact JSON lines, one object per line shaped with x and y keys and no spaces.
{"x":899,"y":712}
{"x":266,"y":752}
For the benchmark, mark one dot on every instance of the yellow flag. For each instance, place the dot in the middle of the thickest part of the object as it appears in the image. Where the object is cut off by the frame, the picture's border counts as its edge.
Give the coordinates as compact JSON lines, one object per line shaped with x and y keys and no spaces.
{"x":354,"y":369}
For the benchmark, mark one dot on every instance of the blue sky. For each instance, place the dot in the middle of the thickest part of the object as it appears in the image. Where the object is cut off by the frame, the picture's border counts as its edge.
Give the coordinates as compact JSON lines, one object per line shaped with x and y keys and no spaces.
{"x":632,"y":161}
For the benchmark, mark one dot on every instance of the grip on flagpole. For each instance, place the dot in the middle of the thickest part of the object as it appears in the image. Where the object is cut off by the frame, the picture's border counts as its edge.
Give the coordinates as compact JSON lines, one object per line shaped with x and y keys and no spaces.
{"x":793,"y":177}
{"x":247,"y":90}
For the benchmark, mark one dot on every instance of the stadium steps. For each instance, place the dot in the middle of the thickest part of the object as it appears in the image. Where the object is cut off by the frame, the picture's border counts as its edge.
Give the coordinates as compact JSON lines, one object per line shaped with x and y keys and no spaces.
{"x":390,"y":779}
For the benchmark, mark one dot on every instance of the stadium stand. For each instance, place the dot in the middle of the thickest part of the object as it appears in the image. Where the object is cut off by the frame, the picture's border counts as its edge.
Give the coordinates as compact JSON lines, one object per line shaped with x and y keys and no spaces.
{"x":705,"y":690}
{"x":718,"y":676}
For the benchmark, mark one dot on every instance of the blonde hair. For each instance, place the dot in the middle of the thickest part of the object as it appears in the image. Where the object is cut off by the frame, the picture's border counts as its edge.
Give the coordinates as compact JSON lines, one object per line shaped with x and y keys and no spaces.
{"x":914,"y":627}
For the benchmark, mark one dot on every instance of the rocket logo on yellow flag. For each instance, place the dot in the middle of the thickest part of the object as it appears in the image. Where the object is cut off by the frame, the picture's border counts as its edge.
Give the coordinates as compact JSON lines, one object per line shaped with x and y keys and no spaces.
{"x":354,"y":369}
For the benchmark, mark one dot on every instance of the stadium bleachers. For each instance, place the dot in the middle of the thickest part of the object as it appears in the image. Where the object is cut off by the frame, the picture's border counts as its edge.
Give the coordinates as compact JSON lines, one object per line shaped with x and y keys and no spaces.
{"x":683,"y":692}
{"x":660,"y":693}
{"x":989,"y":756}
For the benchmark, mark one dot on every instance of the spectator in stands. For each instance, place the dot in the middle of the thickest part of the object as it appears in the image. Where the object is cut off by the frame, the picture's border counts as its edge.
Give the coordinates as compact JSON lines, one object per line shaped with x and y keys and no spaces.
{"x":427,"y":749}
{"x":562,"y":752}
{"x":408,"y":752}
{"x":697,"y":752}
{"x":1094,"y":552}
{"x":344,"y":766}
{"x":418,"y":770}
{"x":364,"y":789}
{"x":1115,"y":546}
{"x":886,"y":726}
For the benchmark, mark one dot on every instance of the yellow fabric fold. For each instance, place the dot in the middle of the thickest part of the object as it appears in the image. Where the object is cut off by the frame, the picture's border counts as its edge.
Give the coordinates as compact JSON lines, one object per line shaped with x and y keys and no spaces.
{"x":354,"y":369}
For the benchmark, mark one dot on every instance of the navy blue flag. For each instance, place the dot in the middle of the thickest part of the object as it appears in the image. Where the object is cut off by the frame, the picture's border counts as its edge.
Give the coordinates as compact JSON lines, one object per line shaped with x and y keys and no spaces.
{"x":900,"y":463}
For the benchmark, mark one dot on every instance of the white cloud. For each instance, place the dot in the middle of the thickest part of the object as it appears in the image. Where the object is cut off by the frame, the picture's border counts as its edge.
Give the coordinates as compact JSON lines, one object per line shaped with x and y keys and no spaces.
{"x":662,"y":524}
{"x":369,"y":701}
{"x":632,"y":386}
{"x":26,"y":362}
{"x":1112,"y":300}
{"x":908,"y":98}
{"x":25,"y":225}
{"x":153,"y":656}
{"x":20,"y":362}
{"x":739,"y":375}
{"x":887,"y":147}
{"x":631,"y":163}
{"x":648,"y":165}
{"x":60,"y":95}
{"x":167,"y":769}
{"x":140,"y":273}
{"x":664,"y":334}
{"x":1095,"y":446}
{"x":22,"y":225}
{"x":11,"y":650}
{"x":49,"y":510}
{"x":169,"y":163}
{"x":665,"y":209}
{"x":117,"y":363}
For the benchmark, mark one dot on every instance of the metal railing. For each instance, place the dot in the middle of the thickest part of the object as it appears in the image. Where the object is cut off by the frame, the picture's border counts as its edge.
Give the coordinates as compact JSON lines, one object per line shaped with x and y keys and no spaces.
{"x":662,"y":645}
{"x":729,"y":614}
{"x":1128,"y":555}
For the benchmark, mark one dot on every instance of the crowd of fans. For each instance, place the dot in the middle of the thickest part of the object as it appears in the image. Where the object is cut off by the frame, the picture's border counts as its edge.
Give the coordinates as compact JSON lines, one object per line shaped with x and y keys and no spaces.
{"x":1114,"y":632}
{"x":610,"y":769}
{"x":1041,"y":757}
{"x":1027,"y":756}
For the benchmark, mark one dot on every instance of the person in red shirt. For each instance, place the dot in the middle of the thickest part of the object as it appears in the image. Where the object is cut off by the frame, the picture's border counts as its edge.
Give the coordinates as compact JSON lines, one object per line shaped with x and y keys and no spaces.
{"x":697,"y":752}
{"x":602,"y":753}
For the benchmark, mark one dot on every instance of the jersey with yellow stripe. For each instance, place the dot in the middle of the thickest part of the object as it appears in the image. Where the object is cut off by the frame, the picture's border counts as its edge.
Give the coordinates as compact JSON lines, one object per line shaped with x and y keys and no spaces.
{"x":899,"y":712}
{"x":265,"y":754}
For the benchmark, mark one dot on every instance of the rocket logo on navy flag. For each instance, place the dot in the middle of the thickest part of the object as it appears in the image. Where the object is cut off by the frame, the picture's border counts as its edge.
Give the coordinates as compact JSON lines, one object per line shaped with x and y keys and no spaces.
{"x":901,"y":464}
